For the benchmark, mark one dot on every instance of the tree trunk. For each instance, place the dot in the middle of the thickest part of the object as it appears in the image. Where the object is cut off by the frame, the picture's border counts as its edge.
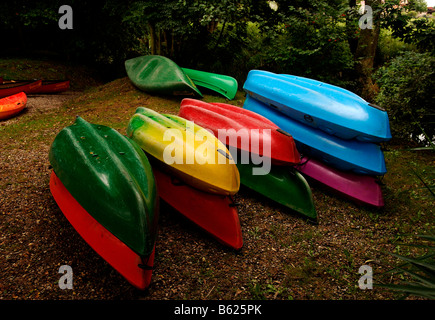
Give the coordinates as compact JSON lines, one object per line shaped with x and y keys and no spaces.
{"x":220,"y":35}
{"x":172,"y":44}
{"x":152,"y":38}
{"x":351,"y":37}
{"x":365,"y":56}
{"x":159,"y":43}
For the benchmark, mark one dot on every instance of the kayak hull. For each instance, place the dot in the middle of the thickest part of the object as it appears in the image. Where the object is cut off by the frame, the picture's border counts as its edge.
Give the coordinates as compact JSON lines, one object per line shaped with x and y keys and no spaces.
{"x":215,"y":214}
{"x":53,"y":86}
{"x":362,"y":189}
{"x":347,"y":155}
{"x":179,"y":147}
{"x":47,"y":86}
{"x":159,"y":75}
{"x":28,"y":87}
{"x":323,"y":106}
{"x":135,"y":269}
{"x":242,"y":129}
{"x":222,"y":84}
{"x":111,"y":178}
{"x":282,"y":184}
{"x":12,"y":105}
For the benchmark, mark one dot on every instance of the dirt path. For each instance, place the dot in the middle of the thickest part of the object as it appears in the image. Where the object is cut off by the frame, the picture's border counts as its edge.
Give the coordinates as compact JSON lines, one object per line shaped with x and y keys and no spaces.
{"x":37,"y":104}
{"x":25,"y":207}
{"x":41,"y":102}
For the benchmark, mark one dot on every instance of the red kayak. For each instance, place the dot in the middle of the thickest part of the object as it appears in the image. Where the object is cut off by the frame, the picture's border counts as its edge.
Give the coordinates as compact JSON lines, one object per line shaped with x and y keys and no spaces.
{"x":243,"y":129}
{"x":53,"y":86}
{"x":47,"y":86}
{"x":12,"y":105}
{"x":214,"y":213}
{"x":128,"y":263}
{"x":10,"y":88}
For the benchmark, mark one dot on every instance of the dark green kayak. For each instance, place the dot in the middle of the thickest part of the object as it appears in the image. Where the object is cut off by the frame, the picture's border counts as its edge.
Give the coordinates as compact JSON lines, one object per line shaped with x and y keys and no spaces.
{"x":110,"y":177}
{"x":160,"y":75}
{"x":283,"y":185}
{"x":222,"y":84}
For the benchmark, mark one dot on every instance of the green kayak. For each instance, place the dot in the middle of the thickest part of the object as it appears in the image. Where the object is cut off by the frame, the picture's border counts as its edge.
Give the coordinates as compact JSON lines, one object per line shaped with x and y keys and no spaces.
{"x":283,"y":185}
{"x":160,"y":75}
{"x":222,"y":84}
{"x":110,"y":177}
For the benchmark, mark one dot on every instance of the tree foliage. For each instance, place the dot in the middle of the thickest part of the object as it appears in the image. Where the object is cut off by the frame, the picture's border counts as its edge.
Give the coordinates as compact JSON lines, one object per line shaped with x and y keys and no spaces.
{"x":317,"y":39}
{"x":206,"y":33}
{"x":405,"y":26}
{"x":407,"y":94}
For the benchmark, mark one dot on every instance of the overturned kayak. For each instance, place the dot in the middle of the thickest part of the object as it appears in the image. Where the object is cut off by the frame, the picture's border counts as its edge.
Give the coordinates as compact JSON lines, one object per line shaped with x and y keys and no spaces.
{"x":53,"y":86}
{"x":348,"y":155}
{"x":282,"y":184}
{"x":362,"y":189}
{"x":185,"y":150}
{"x":11,"y":88}
{"x":332,"y":109}
{"x":159,"y":75}
{"x":12,"y":105}
{"x":136,"y":269}
{"x":242,"y":129}
{"x":104,"y":185}
{"x":47,"y":86}
{"x":222,"y":84}
{"x":215,"y":214}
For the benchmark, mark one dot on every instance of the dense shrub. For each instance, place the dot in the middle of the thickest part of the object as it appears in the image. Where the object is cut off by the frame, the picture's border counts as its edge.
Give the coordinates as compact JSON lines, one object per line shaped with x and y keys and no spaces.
{"x":390,"y":47}
{"x":406,"y":92}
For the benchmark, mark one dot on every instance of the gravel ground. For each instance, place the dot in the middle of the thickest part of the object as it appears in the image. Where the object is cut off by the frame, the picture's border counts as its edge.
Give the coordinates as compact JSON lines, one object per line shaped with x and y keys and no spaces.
{"x":283,"y":257}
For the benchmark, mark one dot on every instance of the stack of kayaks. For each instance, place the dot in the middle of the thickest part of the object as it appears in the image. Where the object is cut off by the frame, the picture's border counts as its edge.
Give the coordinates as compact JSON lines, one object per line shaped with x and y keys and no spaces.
{"x":104,"y":185}
{"x":337,"y":131}
{"x":108,"y":185}
{"x":160,"y":75}
{"x":194,"y":171}
{"x":265,"y":154}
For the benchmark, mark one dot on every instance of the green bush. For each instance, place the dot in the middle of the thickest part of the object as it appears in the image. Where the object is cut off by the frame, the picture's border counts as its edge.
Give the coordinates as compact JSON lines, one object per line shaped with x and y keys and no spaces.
{"x":390,"y":47}
{"x":406,"y":92}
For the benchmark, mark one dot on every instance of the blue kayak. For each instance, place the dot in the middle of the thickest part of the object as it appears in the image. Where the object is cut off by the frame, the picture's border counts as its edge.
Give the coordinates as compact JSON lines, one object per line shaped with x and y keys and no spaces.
{"x":347,"y":155}
{"x":335,"y":110}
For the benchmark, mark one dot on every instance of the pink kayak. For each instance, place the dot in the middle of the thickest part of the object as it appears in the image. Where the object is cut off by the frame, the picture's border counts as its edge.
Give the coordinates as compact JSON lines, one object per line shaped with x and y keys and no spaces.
{"x":360,"y":188}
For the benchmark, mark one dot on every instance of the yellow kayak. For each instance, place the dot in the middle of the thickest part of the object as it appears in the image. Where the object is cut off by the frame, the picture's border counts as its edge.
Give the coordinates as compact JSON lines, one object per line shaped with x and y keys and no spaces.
{"x":187,"y":151}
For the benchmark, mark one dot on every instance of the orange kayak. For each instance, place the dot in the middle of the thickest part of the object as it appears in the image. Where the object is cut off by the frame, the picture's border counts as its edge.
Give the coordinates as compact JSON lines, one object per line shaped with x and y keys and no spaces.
{"x":12,"y":105}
